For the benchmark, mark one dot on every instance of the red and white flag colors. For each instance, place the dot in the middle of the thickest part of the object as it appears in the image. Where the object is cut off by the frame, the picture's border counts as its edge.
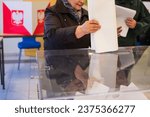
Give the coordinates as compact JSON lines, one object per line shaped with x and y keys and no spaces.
{"x":23,"y":18}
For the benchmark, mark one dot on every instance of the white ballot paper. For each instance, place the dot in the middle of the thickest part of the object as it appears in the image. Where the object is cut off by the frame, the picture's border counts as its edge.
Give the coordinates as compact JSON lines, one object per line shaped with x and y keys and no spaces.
{"x":147,"y":5}
{"x":105,"y":39}
{"x":122,"y":14}
{"x":135,"y":95}
{"x":98,"y":91}
{"x":130,"y":92}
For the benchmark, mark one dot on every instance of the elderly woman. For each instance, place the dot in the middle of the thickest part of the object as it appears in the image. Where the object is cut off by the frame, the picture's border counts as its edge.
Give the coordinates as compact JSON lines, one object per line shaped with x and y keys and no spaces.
{"x":67,"y":26}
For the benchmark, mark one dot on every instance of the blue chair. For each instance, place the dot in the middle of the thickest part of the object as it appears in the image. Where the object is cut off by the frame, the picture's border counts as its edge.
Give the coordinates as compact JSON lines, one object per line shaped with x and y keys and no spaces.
{"x":27,"y":43}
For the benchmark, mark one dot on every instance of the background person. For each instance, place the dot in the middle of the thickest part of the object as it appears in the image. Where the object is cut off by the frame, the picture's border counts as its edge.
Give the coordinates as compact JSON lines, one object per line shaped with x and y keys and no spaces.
{"x":137,"y":25}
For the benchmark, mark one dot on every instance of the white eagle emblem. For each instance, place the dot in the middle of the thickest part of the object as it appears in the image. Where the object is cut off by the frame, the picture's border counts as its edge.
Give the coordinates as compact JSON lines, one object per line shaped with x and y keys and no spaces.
{"x":17,"y":17}
{"x":40,"y":16}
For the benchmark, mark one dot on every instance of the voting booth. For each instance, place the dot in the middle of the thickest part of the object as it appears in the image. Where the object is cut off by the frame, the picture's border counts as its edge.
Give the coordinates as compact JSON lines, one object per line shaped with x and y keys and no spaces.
{"x":27,"y":18}
{"x":24,"y":18}
{"x":1,"y":19}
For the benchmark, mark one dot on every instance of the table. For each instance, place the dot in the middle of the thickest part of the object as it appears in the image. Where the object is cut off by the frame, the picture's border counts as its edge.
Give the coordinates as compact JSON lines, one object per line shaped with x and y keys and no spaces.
{"x":2,"y":69}
{"x":84,"y":74}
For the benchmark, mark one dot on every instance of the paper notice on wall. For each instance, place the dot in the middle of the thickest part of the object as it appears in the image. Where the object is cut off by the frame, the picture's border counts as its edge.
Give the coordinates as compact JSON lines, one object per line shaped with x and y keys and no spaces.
{"x":105,"y":39}
{"x":122,"y":14}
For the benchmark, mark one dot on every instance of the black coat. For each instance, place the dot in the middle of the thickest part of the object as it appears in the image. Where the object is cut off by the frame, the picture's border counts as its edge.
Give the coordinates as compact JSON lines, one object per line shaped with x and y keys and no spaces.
{"x":60,"y":26}
{"x":143,"y":21}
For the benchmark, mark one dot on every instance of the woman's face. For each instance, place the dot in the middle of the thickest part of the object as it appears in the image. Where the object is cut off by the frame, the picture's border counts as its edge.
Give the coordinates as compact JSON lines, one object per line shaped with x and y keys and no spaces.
{"x":77,"y":4}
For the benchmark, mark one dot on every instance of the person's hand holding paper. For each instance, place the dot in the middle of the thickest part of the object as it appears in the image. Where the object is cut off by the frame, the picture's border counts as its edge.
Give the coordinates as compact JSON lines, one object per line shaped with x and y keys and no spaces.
{"x":130,"y":22}
{"x":88,"y":27}
{"x":125,"y":19}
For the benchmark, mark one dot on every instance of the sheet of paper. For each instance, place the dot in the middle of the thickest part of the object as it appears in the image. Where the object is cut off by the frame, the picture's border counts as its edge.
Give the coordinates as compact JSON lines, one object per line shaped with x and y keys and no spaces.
{"x":105,"y":39}
{"x":97,"y":88}
{"x":134,"y":95}
{"x":97,"y":92}
{"x":127,"y":93}
{"x":147,"y":4}
{"x":122,"y":14}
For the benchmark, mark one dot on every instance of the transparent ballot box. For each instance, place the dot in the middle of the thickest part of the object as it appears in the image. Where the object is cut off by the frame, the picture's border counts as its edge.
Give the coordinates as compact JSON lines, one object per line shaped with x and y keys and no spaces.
{"x":82,"y":74}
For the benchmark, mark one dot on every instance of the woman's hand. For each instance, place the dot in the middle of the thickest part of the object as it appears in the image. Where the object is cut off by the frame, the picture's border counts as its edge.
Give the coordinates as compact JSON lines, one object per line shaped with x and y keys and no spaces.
{"x":88,"y":27}
{"x":131,"y":23}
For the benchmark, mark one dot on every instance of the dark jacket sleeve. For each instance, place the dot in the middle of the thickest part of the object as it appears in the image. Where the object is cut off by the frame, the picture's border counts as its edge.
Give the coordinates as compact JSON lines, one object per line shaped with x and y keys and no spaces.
{"x":143,"y":21}
{"x":55,"y":31}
